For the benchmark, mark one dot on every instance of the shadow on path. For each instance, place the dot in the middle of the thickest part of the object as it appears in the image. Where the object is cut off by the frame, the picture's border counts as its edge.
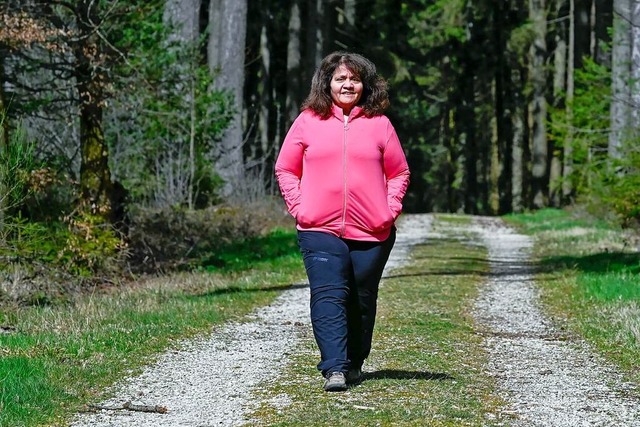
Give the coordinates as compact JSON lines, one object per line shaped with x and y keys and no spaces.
{"x":242,"y":289}
{"x":394,"y":374}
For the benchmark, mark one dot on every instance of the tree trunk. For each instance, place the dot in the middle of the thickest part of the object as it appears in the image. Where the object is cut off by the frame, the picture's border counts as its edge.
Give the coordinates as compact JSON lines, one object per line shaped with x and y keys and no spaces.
{"x":264,"y":114}
{"x":4,"y":117}
{"x":559,"y":86}
{"x":494,"y":167}
{"x":468,"y":139}
{"x":96,"y":188}
{"x":350,"y":13}
{"x":582,"y":29}
{"x":604,"y":11}
{"x":502,"y":103}
{"x":4,"y":145}
{"x":228,"y":23}
{"x":538,"y":108}
{"x":448,"y":142}
{"x":294,"y":65}
{"x":635,"y":69}
{"x":183,"y":18}
{"x":593,"y":36}
{"x":315,"y":36}
{"x":620,"y":75}
{"x":192,"y":144}
{"x":559,"y":69}
{"x":567,"y":156}
{"x":517,"y":157}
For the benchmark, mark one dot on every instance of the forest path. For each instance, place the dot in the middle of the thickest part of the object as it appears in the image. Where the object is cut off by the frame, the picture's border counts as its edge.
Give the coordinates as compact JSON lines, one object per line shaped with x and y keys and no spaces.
{"x":546,"y":379}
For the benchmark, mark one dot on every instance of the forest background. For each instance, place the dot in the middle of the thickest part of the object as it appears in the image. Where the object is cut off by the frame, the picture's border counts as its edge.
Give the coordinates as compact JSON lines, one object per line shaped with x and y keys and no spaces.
{"x":140,"y":136}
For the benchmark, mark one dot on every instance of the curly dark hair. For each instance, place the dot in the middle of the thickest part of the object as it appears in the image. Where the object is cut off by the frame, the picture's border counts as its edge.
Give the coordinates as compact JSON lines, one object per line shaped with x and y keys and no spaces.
{"x":375,"y":98}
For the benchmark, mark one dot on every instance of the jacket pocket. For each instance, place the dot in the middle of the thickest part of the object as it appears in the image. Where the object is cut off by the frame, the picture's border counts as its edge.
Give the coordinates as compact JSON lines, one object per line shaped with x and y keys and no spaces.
{"x":372,"y":219}
{"x":316,"y":216}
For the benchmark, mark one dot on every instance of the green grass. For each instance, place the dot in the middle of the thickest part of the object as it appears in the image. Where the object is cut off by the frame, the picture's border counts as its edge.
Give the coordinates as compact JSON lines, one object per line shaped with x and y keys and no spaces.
{"x":62,"y":357}
{"x":240,"y":256}
{"x":550,"y":219}
{"x":590,"y":281}
{"x":426,"y":367}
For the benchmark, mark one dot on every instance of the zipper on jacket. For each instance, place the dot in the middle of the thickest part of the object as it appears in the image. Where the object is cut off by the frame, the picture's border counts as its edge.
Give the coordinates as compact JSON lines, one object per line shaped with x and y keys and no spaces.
{"x":344,"y":176}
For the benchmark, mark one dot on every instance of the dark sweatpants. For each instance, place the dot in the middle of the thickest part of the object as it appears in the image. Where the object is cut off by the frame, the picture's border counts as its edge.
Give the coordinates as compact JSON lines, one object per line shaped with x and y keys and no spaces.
{"x":344,"y":276}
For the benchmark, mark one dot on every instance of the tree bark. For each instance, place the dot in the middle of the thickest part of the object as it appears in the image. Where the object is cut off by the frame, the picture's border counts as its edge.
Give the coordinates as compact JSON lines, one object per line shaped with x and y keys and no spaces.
{"x":635,"y":69}
{"x":603,"y":15}
{"x":567,"y":155}
{"x":262,"y":149}
{"x":582,"y":29}
{"x":518,"y":159}
{"x":96,"y":188}
{"x":468,"y":138}
{"x":4,"y":145}
{"x":294,"y":65}
{"x":4,"y":117}
{"x":538,"y":108}
{"x":620,"y":75}
{"x":182,"y":16}
{"x":228,"y":23}
{"x":494,"y":172}
{"x":350,"y":13}
{"x":502,"y":104}
{"x":315,"y":36}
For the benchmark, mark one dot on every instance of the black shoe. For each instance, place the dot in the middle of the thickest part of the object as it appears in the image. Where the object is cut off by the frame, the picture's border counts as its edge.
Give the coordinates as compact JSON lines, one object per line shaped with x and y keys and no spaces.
{"x":354,"y":376}
{"x":335,"y":382}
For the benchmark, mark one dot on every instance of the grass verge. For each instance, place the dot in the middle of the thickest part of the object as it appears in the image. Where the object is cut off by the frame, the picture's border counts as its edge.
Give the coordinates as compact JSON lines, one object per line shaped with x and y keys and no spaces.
{"x":426,"y":367}
{"x":589,"y":280}
{"x":55,"y":359}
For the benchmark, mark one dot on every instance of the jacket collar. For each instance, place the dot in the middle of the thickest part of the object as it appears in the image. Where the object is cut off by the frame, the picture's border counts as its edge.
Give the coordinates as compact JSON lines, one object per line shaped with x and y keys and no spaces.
{"x":355,"y":112}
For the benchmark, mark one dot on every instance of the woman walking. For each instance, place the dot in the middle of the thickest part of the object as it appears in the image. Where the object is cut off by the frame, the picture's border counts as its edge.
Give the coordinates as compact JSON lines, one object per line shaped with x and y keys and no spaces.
{"x":343,"y":175}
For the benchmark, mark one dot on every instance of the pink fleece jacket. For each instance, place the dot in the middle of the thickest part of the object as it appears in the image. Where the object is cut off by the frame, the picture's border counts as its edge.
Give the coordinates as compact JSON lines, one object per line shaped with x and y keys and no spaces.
{"x":345,"y":179}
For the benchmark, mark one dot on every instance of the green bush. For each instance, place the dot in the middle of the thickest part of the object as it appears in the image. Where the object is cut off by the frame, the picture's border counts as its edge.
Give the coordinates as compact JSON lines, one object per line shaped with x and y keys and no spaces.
{"x":623,"y":193}
{"x":92,"y":247}
{"x":48,"y":261}
{"x":179,"y":238}
{"x":16,"y":163}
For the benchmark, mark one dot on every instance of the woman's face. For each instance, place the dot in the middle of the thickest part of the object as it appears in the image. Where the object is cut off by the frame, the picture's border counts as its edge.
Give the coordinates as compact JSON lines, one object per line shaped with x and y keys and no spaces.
{"x":346,"y":89}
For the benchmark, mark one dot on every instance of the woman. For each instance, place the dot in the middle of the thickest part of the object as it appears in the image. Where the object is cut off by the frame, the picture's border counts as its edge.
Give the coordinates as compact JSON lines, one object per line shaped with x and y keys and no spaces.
{"x":343,"y":175}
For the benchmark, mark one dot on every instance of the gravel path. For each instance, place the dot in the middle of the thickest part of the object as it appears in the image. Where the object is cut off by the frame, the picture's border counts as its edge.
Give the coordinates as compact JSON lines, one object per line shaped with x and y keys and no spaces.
{"x":209,"y":381}
{"x":547,"y":380}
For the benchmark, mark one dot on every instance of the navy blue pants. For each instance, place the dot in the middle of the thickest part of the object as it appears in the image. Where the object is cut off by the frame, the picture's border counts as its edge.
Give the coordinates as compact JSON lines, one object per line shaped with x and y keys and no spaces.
{"x":344,"y":276}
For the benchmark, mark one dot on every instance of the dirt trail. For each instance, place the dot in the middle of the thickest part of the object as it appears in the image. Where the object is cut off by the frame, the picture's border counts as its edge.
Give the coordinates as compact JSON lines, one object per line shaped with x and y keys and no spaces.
{"x":547,"y":378}
{"x":548,"y":381}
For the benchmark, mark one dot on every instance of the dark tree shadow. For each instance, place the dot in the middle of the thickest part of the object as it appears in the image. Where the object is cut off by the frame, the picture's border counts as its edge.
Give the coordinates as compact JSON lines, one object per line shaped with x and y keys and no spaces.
{"x":596,"y":263}
{"x":240,"y":289}
{"x":395,"y":374}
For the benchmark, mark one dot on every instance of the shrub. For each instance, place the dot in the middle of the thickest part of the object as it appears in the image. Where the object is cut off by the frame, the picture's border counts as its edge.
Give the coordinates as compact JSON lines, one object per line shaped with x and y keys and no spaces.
{"x":16,"y":163}
{"x":178,"y":238}
{"x":623,"y":193}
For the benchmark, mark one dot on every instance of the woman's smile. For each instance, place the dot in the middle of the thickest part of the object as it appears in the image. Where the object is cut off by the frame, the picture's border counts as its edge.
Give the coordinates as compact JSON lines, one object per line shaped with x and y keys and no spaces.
{"x":346,"y":89}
